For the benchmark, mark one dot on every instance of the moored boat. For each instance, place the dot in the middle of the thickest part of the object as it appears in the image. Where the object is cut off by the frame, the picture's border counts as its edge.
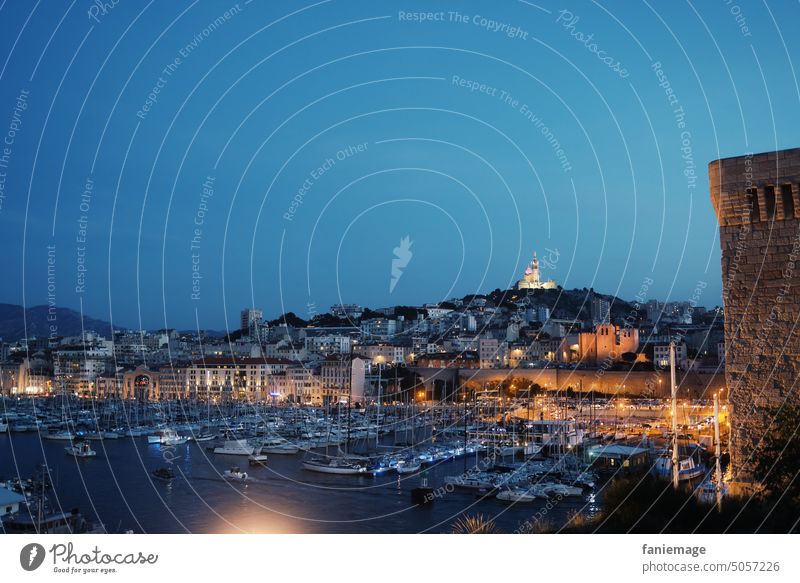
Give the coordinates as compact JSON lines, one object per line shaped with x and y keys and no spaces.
{"x":80,"y":449}
{"x":334,"y":466}
{"x":235,"y":447}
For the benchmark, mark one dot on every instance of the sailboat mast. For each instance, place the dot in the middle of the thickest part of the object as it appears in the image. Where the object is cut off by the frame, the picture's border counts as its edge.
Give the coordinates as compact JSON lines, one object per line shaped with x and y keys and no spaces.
{"x":674,"y":388}
{"x":717,"y":453}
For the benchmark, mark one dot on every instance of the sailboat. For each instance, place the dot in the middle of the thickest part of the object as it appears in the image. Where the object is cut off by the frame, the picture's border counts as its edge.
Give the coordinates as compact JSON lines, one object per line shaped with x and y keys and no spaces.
{"x":343,"y":463}
{"x":669,"y":462}
{"x":713,"y":489}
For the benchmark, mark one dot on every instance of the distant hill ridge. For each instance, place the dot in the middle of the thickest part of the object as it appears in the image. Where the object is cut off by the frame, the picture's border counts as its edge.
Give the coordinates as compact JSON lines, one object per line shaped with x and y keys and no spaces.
{"x":12,"y":322}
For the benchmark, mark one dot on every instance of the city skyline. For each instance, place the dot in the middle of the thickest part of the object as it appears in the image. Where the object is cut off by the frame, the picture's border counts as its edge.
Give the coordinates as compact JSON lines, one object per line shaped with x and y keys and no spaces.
{"x":469,"y":153}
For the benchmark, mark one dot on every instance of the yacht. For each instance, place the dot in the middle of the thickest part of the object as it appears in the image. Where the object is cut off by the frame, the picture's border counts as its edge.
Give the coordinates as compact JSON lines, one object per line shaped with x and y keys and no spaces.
{"x":478,"y":482}
{"x":167,"y":437}
{"x":409,"y":467}
{"x":334,"y":466}
{"x":520,"y":495}
{"x":557,"y":489}
{"x":59,"y":436}
{"x":235,"y":447}
{"x":80,"y":449}
{"x":279,"y":446}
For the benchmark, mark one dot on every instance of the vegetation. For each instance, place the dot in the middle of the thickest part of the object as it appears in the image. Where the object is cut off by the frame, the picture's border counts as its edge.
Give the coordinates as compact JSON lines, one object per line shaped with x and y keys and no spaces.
{"x":478,"y":524}
{"x":646,"y":505}
{"x":779,"y":452}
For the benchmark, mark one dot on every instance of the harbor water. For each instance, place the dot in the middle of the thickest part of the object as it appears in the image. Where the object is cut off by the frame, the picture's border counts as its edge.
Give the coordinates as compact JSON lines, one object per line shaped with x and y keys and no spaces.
{"x":117,"y":488}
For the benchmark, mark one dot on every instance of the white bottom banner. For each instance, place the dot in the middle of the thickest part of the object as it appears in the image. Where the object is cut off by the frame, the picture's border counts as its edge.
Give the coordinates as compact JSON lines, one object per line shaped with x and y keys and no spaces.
{"x":335,"y":558}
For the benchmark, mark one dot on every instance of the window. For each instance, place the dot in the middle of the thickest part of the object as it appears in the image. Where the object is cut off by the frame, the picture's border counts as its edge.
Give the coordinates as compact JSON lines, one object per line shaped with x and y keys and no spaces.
{"x":788,"y":201}
{"x":752,"y":205}
{"x":769,"y":202}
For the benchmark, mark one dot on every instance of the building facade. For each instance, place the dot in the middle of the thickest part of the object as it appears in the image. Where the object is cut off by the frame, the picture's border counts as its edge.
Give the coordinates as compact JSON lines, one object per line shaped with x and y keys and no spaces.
{"x":607,"y":344}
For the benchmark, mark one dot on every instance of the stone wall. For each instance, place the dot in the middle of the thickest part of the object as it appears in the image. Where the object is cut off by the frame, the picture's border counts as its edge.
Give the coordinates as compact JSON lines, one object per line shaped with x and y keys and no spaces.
{"x":691,"y":385}
{"x":757,"y":203}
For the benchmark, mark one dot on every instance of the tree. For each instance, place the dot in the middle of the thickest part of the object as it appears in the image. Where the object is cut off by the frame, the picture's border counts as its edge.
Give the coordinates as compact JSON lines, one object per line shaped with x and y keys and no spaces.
{"x":779,"y":451}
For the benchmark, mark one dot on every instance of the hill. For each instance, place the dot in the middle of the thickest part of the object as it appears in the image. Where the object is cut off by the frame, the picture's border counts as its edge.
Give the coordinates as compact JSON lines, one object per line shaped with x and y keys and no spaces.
{"x":13,"y":323}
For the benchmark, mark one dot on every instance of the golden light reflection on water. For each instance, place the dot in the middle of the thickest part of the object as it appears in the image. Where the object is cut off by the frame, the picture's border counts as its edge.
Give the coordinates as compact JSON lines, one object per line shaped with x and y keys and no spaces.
{"x":253,"y":520}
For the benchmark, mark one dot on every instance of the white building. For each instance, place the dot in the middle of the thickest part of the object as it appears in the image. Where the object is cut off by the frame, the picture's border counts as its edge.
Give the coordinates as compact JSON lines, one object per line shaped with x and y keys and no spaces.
{"x":327,"y":344}
{"x":531,"y":279}
{"x":378,"y":328}
{"x":492,"y":353}
{"x":250,"y":318}
{"x":661,"y":355}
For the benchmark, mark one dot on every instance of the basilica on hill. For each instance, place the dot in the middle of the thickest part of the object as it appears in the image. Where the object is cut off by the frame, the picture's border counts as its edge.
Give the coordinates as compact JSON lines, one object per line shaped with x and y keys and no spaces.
{"x":532,"y":279}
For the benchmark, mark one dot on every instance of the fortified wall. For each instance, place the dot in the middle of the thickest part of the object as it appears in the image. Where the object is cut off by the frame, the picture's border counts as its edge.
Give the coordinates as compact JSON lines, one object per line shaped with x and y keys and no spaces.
{"x":757,"y":203}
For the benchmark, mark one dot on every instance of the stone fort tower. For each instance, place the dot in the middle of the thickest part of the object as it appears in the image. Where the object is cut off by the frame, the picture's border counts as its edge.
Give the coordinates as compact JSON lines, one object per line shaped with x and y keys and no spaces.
{"x":757,"y":202}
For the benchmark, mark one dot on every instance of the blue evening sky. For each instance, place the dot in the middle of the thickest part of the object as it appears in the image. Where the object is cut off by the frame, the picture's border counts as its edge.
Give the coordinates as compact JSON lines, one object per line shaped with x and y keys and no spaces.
{"x":483,"y":132}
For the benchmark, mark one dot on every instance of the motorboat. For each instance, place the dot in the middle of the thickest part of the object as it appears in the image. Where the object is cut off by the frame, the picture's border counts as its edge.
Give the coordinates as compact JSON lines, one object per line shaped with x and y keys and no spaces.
{"x":279,"y":446}
{"x":558,"y":489}
{"x":201,"y":437}
{"x":80,"y":449}
{"x":334,"y":465}
{"x":688,"y":469}
{"x":3,"y":426}
{"x":520,"y":495}
{"x":477,"y":482}
{"x":235,"y":474}
{"x":408,"y":467}
{"x":59,"y":436}
{"x":167,"y":437}
{"x":163,"y":474}
{"x":235,"y":447}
